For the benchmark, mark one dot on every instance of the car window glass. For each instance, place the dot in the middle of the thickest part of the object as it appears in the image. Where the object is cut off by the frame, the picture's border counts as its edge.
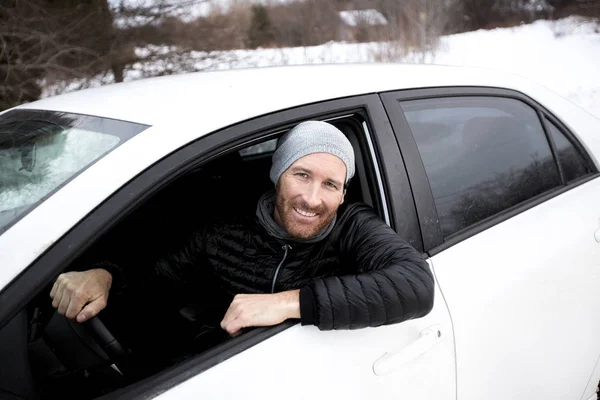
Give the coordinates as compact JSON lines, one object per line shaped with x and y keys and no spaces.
{"x":571,"y":161}
{"x":262,"y":148}
{"x":482,"y":155}
{"x":41,"y":151}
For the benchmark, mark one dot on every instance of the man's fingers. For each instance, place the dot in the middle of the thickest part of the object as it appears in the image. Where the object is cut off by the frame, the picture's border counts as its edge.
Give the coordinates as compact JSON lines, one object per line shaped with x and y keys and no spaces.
{"x":64,"y":304}
{"x":72,"y":290}
{"x":54,"y":288}
{"x":231,"y":314}
{"x":232,"y":321}
{"x":226,"y":320}
{"x":92,"y":309}
{"x":76,"y":303}
{"x":236,"y":333}
{"x":260,"y":310}
{"x":57,"y":291}
{"x":233,"y":327}
{"x":56,"y":299}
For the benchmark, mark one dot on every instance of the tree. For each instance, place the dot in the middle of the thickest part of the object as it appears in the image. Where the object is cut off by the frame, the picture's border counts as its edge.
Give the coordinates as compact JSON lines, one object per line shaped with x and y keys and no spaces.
{"x":261,"y":30}
{"x":305,"y":23}
{"x":43,"y":38}
{"x":144,"y":23}
{"x":46,"y":41}
{"x":414,"y":24}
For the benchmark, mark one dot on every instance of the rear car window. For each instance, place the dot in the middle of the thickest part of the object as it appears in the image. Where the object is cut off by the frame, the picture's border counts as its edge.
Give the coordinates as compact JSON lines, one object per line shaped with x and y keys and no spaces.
{"x":40,"y":151}
{"x":482,"y":155}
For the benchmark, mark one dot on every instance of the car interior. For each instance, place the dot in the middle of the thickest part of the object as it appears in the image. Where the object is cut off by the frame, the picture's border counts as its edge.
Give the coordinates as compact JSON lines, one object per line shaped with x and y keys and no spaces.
{"x":45,"y":356}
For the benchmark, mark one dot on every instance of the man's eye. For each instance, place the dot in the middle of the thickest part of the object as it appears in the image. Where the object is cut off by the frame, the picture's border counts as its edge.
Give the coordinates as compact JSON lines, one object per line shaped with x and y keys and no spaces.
{"x":302,"y":175}
{"x":331,"y":185}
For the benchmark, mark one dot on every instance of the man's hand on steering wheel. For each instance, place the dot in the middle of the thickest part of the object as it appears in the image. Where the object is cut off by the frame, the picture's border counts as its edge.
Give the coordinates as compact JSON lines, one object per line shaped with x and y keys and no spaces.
{"x":81,"y":295}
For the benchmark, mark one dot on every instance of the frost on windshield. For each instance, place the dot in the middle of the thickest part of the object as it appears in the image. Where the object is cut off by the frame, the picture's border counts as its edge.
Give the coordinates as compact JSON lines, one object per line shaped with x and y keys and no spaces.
{"x":31,"y":169}
{"x":54,"y":159}
{"x":40,"y":151}
{"x":29,"y":172}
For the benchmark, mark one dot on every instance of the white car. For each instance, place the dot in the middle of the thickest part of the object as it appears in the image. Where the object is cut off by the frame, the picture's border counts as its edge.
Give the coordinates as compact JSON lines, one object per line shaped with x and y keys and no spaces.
{"x":493,"y":177}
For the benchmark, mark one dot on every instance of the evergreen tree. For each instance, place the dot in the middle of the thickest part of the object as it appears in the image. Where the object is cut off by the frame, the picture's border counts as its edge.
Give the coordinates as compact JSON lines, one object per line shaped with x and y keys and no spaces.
{"x":261,"y":31}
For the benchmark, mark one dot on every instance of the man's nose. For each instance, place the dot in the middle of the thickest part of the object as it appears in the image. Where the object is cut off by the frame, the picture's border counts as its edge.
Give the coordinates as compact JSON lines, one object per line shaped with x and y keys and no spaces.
{"x":312,"y":197}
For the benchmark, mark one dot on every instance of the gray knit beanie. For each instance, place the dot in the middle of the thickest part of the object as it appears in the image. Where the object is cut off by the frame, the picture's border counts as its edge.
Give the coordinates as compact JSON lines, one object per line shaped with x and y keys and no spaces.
{"x":311,"y":137}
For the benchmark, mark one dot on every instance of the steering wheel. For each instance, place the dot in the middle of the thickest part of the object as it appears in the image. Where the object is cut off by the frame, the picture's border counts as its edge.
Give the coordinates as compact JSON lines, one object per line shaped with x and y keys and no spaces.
{"x":111,"y":346}
{"x":81,"y":345}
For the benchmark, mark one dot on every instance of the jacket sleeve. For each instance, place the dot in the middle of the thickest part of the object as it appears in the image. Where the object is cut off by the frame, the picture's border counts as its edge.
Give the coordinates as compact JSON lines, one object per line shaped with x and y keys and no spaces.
{"x":172,"y":268}
{"x":392,"y":282}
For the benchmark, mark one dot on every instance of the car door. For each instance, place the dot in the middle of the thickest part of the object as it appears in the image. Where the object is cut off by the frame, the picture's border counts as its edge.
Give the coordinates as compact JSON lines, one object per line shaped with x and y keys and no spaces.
{"x":508,"y":201}
{"x":414,"y":359}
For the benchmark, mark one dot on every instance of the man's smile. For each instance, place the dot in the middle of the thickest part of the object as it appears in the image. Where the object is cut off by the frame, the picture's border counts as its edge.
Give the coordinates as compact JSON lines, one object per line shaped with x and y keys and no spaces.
{"x":305,"y":213}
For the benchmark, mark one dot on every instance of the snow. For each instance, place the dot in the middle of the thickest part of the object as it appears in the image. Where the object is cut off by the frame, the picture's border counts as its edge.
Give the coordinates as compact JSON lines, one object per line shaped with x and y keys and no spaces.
{"x":355,"y":17}
{"x":185,"y":10}
{"x":563,"y":55}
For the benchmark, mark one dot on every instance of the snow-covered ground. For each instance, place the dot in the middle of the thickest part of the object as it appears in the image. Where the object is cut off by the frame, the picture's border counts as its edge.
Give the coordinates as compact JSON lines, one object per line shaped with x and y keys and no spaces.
{"x":563,"y":55}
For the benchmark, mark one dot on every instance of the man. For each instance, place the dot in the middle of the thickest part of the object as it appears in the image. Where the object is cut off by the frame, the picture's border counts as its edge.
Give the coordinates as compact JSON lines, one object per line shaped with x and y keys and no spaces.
{"x":297,"y":258}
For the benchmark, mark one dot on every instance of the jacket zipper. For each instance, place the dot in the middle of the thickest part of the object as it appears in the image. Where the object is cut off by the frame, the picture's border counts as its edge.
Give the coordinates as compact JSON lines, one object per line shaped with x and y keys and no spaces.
{"x":285,"y":248}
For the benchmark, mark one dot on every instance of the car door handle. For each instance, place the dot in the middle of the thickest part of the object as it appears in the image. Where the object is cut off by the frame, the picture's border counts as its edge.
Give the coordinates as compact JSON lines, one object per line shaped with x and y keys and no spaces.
{"x":597,"y":233}
{"x":393,"y":360}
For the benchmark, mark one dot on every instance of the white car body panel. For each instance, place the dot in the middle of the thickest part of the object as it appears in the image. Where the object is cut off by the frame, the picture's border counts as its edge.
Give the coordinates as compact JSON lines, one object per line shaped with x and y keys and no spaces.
{"x":232,"y":96}
{"x":498,"y":314}
{"x":303,"y":361}
{"x":592,"y":386}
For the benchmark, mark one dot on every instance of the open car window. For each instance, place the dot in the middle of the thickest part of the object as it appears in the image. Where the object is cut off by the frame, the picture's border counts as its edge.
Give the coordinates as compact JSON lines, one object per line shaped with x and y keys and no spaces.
{"x":185,"y":318}
{"x":40,"y":151}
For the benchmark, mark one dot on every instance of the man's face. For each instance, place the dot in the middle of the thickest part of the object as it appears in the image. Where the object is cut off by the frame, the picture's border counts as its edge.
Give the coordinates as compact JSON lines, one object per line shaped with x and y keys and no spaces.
{"x":309,"y":193}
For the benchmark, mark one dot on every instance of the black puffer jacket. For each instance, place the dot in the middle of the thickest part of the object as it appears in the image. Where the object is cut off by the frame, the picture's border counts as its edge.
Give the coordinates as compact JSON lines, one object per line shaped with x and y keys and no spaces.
{"x":363,"y":274}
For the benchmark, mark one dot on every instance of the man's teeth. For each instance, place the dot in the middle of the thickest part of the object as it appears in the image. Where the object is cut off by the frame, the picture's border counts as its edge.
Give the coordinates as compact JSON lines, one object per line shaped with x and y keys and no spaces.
{"x":306,"y":214}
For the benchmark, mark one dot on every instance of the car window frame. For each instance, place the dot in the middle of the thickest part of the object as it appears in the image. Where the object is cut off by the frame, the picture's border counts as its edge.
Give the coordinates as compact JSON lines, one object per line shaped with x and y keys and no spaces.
{"x":394,"y":184}
{"x":561,"y":127}
{"x":434,"y":241}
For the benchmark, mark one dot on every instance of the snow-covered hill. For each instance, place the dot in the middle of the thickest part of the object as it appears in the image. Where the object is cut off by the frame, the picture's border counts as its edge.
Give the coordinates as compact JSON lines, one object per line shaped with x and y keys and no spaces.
{"x":563,"y":55}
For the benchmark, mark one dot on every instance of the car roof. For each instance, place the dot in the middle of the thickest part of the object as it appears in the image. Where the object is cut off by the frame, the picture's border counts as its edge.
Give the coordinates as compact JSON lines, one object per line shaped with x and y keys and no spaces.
{"x":221,"y":98}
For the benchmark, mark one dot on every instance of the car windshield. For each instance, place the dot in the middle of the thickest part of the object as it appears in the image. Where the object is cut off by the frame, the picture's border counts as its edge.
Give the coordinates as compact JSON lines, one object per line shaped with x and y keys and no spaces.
{"x":40,"y":151}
